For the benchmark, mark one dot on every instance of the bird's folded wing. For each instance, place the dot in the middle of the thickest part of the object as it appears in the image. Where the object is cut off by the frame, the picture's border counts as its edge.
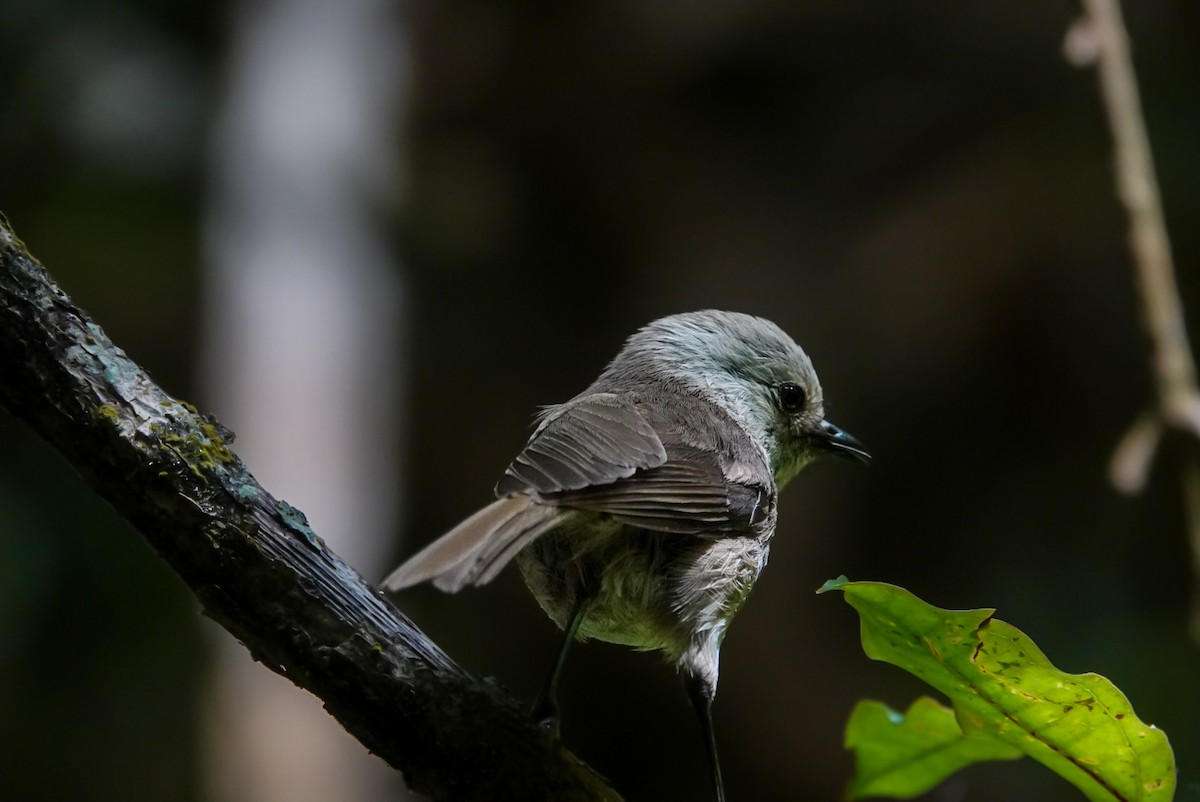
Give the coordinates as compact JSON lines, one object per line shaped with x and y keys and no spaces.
{"x":687,"y":494}
{"x":593,"y":440}
{"x":600,"y":453}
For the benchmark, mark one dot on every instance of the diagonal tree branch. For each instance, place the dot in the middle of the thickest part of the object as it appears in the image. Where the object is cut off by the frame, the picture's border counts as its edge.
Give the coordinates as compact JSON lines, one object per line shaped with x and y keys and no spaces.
{"x":254,"y":563}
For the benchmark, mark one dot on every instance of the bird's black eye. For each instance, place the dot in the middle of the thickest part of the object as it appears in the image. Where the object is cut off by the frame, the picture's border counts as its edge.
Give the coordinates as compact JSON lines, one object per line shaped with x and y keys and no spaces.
{"x":791,"y":397}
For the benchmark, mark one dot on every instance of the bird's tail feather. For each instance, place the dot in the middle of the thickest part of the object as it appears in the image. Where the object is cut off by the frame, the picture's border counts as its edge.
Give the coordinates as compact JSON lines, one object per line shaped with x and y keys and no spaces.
{"x":473,"y":552}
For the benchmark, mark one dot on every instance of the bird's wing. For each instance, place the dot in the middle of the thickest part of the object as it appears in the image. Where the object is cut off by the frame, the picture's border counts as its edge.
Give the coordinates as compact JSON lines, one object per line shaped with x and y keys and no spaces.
{"x":689,"y":494}
{"x":601,"y":453}
{"x":592,"y":440}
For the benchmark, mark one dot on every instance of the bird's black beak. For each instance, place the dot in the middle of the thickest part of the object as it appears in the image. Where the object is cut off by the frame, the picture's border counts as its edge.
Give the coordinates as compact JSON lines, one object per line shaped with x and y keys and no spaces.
{"x":833,"y":440}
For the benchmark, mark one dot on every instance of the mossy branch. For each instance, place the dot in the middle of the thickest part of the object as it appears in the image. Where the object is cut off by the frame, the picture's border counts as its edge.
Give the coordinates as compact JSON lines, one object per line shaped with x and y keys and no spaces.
{"x":254,"y":563}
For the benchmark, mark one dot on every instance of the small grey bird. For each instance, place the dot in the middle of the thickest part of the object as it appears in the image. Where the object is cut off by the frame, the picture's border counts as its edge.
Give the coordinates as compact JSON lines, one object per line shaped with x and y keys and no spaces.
{"x":641,"y":511}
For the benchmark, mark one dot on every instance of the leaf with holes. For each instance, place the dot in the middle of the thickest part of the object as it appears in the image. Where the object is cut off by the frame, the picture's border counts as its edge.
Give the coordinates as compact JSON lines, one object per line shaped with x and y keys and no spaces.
{"x":901,"y":755}
{"x":1078,"y":725}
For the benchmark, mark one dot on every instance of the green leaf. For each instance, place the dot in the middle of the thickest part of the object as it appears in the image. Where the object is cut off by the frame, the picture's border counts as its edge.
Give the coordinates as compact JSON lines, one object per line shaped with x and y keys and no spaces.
{"x":1078,"y":725}
{"x":903,"y":755}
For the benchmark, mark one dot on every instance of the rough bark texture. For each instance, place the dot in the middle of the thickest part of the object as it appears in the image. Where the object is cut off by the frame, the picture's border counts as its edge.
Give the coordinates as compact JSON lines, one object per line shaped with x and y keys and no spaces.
{"x":256,"y":566}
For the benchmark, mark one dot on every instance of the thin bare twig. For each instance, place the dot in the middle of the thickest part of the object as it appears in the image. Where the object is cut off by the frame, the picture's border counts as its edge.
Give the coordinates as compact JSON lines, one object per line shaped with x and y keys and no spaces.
{"x":1099,"y":37}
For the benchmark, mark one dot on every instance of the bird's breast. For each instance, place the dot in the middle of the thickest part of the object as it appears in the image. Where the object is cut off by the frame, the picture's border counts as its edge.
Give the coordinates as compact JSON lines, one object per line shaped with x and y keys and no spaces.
{"x":644,"y":589}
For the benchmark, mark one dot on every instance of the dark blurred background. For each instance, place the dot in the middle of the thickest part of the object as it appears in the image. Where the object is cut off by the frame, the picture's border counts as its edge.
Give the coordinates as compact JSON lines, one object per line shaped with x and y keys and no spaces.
{"x":920,"y":193}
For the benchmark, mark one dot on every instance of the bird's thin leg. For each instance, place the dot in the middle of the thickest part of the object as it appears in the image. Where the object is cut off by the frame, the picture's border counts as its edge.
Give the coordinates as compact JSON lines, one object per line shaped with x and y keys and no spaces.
{"x":545,"y":707}
{"x":701,"y":696}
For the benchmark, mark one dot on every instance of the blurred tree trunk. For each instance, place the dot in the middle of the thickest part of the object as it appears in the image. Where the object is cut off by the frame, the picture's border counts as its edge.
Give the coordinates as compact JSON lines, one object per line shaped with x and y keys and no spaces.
{"x":300,"y":346}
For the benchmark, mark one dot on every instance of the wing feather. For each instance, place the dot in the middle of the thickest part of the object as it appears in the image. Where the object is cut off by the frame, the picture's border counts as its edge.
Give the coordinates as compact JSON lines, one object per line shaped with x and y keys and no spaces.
{"x":593,"y":440}
{"x":601,"y":453}
{"x":688,"y":494}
